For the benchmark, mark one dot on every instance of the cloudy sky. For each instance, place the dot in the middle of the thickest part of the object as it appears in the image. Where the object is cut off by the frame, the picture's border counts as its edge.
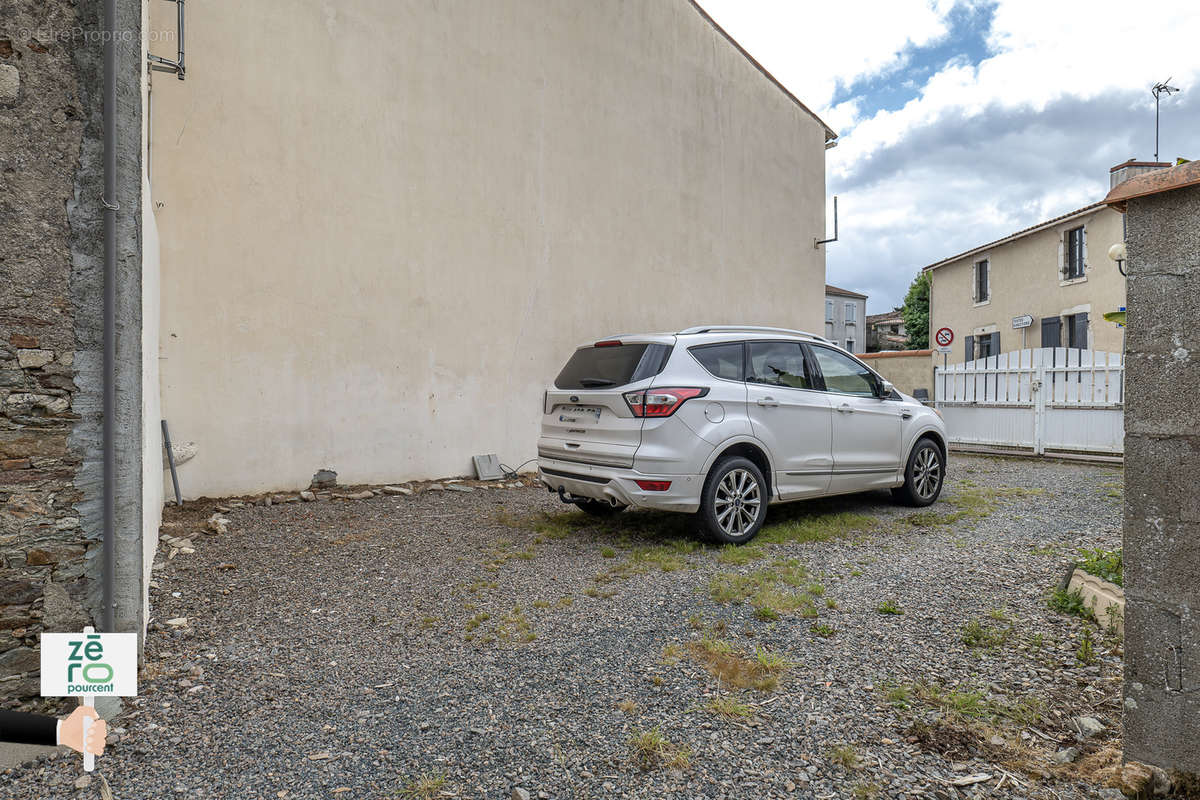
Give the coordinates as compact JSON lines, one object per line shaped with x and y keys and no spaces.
{"x":964,"y":121}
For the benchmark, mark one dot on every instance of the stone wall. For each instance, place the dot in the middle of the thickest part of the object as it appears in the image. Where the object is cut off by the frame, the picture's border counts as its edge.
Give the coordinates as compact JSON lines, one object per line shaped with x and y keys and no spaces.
{"x":1162,"y":462}
{"x":49,"y":164}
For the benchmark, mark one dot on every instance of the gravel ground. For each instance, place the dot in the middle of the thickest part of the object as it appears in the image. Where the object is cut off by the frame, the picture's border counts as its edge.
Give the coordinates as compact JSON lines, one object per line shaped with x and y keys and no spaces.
{"x":348,"y":648}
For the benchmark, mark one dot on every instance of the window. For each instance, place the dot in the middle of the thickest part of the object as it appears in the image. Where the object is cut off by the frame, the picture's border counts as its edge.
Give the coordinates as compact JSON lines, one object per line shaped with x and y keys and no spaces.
{"x":984,"y":345}
{"x":1073,"y":250}
{"x":612,"y":365}
{"x":778,"y":364}
{"x":721,"y":360}
{"x":850,"y":312}
{"x":982,"y":282}
{"x":843,"y":374}
{"x":829,"y":311}
{"x":850,"y":345}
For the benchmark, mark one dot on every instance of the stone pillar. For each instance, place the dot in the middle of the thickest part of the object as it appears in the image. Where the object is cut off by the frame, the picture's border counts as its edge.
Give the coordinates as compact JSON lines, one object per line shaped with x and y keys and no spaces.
{"x":1162,"y":481}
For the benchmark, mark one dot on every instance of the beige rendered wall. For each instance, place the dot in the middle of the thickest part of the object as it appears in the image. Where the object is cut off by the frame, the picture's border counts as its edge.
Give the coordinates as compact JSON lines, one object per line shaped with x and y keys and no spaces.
{"x":908,"y":370}
{"x":385,"y":225}
{"x":1025,"y":279}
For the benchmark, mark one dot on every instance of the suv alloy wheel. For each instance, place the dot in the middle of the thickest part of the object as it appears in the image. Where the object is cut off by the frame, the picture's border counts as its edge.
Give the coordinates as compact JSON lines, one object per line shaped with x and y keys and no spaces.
{"x":734,"y":503}
{"x":923,"y":476}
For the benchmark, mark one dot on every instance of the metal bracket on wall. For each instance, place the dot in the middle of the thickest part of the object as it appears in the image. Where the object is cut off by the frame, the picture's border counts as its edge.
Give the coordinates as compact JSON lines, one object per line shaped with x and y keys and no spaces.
{"x":160,"y":64}
{"x":818,"y":242}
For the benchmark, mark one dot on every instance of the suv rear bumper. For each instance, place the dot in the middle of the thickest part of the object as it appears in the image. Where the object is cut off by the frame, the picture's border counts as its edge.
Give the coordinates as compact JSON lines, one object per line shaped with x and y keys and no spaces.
{"x":609,"y":484}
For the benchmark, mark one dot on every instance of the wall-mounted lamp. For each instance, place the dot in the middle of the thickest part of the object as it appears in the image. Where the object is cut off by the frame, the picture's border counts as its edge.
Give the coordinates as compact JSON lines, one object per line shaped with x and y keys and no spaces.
{"x":1119,"y":254}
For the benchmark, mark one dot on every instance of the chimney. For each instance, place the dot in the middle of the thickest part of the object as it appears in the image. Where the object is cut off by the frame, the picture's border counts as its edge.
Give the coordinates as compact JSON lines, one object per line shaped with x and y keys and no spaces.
{"x":1131,"y":169}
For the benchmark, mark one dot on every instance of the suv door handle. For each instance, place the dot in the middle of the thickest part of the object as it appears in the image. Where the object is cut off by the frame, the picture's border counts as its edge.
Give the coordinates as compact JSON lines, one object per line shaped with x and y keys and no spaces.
{"x":769,"y":402}
{"x":846,"y":408}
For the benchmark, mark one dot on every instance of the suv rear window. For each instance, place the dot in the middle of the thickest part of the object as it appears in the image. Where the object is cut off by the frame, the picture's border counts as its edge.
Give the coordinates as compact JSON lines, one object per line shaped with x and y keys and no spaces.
{"x":612,"y":366}
{"x":721,"y":360}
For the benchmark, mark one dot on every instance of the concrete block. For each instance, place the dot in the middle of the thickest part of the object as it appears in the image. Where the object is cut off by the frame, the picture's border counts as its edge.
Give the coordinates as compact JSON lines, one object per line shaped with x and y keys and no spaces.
{"x":1163,"y":357}
{"x":1162,"y":235}
{"x":1106,"y":600}
{"x":1160,"y":479}
{"x":1162,"y":675}
{"x":1164,"y":405}
{"x":1160,"y":558}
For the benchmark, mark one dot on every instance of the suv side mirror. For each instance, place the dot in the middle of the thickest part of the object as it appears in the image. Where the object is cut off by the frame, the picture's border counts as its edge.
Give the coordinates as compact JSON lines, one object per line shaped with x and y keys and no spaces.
{"x":885,"y":389}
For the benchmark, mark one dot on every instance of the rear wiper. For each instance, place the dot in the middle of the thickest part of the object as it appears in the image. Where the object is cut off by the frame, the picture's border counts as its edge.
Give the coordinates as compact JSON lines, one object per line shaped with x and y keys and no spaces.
{"x":595,"y":383}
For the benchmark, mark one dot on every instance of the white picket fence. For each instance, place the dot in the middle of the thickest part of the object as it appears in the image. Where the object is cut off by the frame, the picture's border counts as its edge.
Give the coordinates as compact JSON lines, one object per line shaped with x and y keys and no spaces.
{"x":1042,"y":400}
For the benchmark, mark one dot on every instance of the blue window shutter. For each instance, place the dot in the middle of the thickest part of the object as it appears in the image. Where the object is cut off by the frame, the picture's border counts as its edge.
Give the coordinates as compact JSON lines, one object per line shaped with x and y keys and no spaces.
{"x":1051,"y":332}
{"x":1079,"y":330}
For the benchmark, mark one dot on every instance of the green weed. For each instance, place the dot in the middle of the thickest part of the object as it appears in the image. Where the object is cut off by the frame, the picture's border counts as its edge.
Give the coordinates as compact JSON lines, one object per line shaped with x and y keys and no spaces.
{"x":650,"y":749}
{"x":740,"y":554}
{"x":729,"y":707}
{"x":889,"y":607}
{"x":844,"y":755}
{"x":977,"y":635}
{"x":425,"y":787}
{"x":1104,"y":564}
{"x":816,"y":527}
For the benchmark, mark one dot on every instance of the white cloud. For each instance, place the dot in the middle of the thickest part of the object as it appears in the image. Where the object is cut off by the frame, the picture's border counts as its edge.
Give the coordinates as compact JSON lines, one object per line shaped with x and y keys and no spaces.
{"x":1044,"y":52}
{"x":813,"y":47}
{"x":982,"y":149}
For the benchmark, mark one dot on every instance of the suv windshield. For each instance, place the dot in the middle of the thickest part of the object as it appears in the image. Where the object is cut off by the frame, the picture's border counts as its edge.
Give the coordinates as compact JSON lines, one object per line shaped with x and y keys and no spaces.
{"x":612,"y":365}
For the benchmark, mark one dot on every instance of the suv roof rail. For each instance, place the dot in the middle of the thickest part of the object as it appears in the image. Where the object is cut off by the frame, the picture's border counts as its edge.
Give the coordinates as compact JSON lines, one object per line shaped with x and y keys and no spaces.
{"x":751,"y":329}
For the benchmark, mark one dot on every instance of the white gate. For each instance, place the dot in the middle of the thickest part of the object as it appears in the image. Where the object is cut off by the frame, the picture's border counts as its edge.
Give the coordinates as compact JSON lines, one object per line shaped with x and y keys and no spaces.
{"x":1046,"y":399}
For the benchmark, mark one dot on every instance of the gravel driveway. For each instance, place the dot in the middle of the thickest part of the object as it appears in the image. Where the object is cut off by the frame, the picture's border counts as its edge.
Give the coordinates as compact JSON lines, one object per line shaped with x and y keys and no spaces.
{"x":466,"y":644}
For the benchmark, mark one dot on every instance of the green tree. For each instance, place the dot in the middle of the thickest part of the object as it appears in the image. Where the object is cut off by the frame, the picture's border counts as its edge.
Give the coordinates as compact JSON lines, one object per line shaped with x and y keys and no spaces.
{"x":916,"y":312}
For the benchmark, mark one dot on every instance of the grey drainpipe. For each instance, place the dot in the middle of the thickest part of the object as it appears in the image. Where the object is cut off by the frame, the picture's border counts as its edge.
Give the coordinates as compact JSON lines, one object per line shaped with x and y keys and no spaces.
{"x":109,"y":200}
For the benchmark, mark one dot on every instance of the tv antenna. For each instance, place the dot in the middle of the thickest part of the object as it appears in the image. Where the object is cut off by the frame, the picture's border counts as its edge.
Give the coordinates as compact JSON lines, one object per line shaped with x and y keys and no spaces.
{"x":1157,"y":90}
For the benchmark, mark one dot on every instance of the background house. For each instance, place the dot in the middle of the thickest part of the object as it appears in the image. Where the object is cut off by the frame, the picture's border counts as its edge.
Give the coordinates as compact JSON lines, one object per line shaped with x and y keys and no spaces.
{"x":1057,"y":272}
{"x":845,"y":317}
{"x":886,"y":332}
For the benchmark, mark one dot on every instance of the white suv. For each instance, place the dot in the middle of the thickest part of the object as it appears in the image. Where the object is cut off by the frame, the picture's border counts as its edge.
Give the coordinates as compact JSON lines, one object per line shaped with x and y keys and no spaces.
{"x":726,"y":419}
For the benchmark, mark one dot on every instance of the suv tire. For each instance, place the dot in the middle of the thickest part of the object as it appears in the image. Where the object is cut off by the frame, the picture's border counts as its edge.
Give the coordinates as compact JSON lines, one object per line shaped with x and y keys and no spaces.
{"x":598,"y":508}
{"x":733,"y":504}
{"x":924,"y":475}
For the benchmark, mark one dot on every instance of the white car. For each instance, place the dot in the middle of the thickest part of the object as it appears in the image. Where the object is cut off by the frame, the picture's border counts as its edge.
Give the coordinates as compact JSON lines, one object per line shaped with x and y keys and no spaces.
{"x":723,"y":420}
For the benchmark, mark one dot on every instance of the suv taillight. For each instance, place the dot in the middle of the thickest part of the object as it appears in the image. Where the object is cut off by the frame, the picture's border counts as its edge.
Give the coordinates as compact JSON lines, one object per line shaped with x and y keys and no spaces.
{"x":660,"y":402}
